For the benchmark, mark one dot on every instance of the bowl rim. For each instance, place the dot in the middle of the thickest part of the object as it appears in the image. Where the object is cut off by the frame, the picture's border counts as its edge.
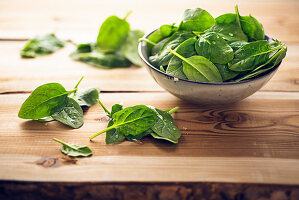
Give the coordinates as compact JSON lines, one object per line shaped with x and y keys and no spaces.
{"x":141,"y":46}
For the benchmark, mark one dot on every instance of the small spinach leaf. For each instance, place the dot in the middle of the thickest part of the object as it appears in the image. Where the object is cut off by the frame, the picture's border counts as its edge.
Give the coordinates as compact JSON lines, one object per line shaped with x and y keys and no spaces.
{"x":235,"y":45}
{"x":185,"y":49}
{"x":86,"y":97}
{"x":71,"y":114}
{"x":41,"y":45}
{"x":198,"y":68}
{"x":112,"y":34}
{"x":73,"y":149}
{"x":225,"y":72}
{"x":112,"y":136}
{"x":162,"y":32}
{"x":214,"y":48}
{"x":155,"y":50}
{"x":44,"y":101}
{"x":196,"y":19}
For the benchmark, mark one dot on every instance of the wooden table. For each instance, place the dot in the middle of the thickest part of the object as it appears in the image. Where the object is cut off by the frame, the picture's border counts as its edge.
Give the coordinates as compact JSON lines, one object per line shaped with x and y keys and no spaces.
{"x":246,"y":150}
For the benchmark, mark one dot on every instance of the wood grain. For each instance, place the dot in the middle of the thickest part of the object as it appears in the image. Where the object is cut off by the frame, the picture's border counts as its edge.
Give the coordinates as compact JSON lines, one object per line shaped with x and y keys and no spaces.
{"x":255,"y":140}
{"x":17,"y":74}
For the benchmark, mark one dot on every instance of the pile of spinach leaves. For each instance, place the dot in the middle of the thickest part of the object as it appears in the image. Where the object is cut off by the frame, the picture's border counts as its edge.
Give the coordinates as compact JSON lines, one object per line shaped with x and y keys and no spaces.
{"x":229,"y":48}
{"x":52,"y":101}
{"x":115,"y":47}
{"x":135,"y":122}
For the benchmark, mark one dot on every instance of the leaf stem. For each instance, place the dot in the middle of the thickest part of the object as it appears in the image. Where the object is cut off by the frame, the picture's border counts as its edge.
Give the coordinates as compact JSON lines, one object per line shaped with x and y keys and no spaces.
{"x":76,"y":86}
{"x":63,"y":143}
{"x":173,"y":110}
{"x":71,"y":91}
{"x":103,"y":131}
{"x":128,"y":13}
{"x":179,"y":56}
{"x":147,"y":41}
{"x":106,"y":110}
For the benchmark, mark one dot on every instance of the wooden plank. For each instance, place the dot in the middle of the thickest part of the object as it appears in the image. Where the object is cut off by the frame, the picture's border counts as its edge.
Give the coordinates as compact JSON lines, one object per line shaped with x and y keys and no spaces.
{"x":17,"y":74}
{"x":254,"y":141}
{"x":80,"y":21}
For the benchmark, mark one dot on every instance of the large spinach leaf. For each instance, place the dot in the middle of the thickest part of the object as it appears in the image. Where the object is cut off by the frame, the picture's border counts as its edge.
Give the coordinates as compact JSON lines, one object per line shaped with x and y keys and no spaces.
{"x":196,"y":19}
{"x":42,"y":45}
{"x":71,"y":114}
{"x":44,"y":101}
{"x":213,"y":47}
{"x":112,"y":34}
{"x":185,"y":49}
{"x":73,"y":149}
{"x":130,"y":47}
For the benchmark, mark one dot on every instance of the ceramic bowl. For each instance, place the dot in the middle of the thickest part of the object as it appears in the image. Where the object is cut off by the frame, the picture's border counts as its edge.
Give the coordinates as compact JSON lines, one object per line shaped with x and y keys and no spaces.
{"x":201,"y":92}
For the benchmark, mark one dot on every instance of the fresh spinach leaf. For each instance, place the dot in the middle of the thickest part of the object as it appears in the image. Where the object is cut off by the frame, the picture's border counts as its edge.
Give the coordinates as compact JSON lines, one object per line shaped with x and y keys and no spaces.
{"x":235,"y":45}
{"x":185,"y":49}
{"x":196,"y":19}
{"x":225,"y":72}
{"x":251,"y":55}
{"x":229,"y":28}
{"x":198,"y":68}
{"x":251,"y":27}
{"x":131,"y":121}
{"x":42,"y":45}
{"x":163,"y":57}
{"x":162,"y":32}
{"x":130,"y":47}
{"x":112,"y":34}
{"x":213,"y":47}
{"x":139,"y":136}
{"x":71,"y":114}
{"x":155,"y":50}
{"x":112,"y":136}
{"x":102,"y":60}
{"x":86,"y":97}
{"x":44,"y":101}
{"x":73,"y":149}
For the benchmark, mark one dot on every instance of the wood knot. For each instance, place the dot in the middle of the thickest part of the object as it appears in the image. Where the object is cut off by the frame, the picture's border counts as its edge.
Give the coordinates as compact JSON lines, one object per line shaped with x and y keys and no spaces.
{"x":56,"y":162}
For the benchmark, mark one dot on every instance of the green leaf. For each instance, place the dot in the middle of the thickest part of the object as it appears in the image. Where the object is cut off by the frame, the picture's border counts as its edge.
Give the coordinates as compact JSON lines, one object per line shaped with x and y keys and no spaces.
{"x":164,"y":127}
{"x":71,"y":114}
{"x":139,"y":136}
{"x":86,"y":97}
{"x":162,"y":69}
{"x":163,"y":57}
{"x":251,"y":27}
{"x":44,"y":101}
{"x":130,"y":48}
{"x":162,"y":32}
{"x":112,"y":135}
{"x":131,"y":121}
{"x":196,"y":19}
{"x":112,"y":34}
{"x":235,"y":45}
{"x":73,"y":149}
{"x":214,"y":48}
{"x":198,"y":68}
{"x":251,"y":55}
{"x":102,"y":60}
{"x":46,"y":119}
{"x":229,"y":28}
{"x":41,"y":45}
{"x":225,"y":72}
{"x":155,"y":50}
{"x":175,"y":66}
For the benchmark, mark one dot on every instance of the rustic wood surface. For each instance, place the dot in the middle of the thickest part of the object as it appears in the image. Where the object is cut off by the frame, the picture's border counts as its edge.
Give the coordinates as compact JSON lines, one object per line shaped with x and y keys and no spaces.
{"x":246,"y":150}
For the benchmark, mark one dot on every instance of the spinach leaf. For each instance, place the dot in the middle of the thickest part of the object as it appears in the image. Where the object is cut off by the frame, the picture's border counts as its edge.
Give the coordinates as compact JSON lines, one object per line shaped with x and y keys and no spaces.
{"x":251,"y":27}
{"x":229,"y":28}
{"x":162,"y":69}
{"x":162,"y":32}
{"x":198,"y":68}
{"x":163,"y":57}
{"x":102,"y":60}
{"x":235,"y":45}
{"x":112,"y":34}
{"x":196,"y":20}
{"x":42,"y":45}
{"x":155,"y":50}
{"x":164,"y":127}
{"x":213,"y":47}
{"x":73,"y":149}
{"x":44,"y":101}
{"x":225,"y":72}
{"x":86,"y":97}
{"x":131,"y":121}
{"x":130,"y":47}
{"x":185,"y":49}
{"x":139,"y":136}
{"x":71,"y":114}
{"x":251,"y":55}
